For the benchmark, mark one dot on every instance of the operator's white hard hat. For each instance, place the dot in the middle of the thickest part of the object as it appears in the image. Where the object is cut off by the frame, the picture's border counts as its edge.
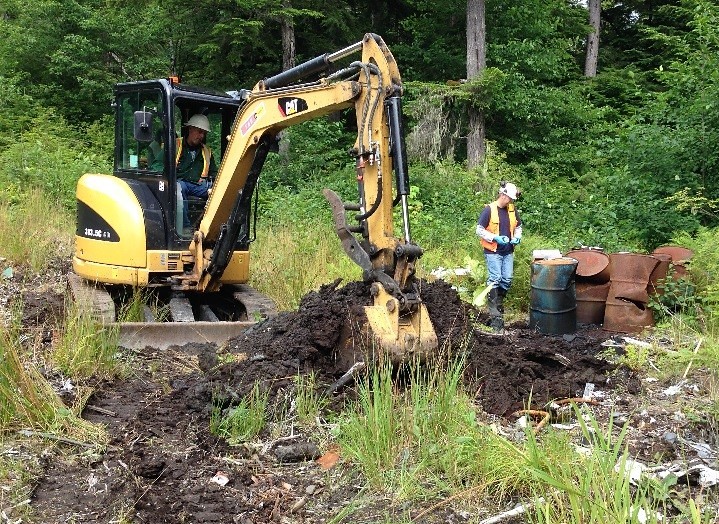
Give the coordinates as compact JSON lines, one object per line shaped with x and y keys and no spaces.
{"x":509,"y":189}
{"x":200,"y":122}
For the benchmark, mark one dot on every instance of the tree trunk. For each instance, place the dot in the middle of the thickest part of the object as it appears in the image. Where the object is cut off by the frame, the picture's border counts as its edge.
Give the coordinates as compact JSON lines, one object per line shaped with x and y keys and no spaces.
{"x":590,"y":64}
{"x":288,"y":40}
{"x":476,"y":63}
{"x":288,"y":61}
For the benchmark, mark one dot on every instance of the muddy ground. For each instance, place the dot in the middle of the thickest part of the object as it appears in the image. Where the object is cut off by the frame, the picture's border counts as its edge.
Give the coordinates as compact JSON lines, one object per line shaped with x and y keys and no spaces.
{"x":163,"y":465}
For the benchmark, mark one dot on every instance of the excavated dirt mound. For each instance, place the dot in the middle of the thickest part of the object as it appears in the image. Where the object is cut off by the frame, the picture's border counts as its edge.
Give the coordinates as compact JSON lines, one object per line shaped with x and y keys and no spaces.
{"x":164,"y":466}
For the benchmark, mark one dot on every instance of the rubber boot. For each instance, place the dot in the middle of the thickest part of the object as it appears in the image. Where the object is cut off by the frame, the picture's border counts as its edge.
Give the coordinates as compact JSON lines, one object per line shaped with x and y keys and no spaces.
{"x":494,"y":303}
{"x":501,"y":293}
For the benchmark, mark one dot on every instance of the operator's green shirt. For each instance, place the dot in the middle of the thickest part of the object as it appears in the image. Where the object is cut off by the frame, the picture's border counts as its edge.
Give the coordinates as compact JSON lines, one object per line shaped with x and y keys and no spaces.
{"x":188,"y":168}
{"x":191,"y":164}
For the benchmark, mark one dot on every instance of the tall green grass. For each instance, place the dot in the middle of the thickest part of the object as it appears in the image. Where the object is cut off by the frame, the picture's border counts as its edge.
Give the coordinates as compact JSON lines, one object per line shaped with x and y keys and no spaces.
{"x":286,"y":263}
{"x":28,"y":401}
{"x":425,"y":439}
{"x":242,"y":422}
{"x":308,"y":403}
{"x":85,"y":348}
{"x":592,"y":488}
{"x":35,"y":231}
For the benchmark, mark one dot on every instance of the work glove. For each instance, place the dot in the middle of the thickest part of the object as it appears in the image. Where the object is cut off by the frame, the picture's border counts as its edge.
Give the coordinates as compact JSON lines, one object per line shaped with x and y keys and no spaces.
{"x":515,"y":241}
{"x":501,"y":240}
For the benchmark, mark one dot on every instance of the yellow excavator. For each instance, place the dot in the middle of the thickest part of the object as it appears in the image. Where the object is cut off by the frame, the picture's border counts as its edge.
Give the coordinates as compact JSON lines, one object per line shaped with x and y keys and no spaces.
{"x":131,"y":225}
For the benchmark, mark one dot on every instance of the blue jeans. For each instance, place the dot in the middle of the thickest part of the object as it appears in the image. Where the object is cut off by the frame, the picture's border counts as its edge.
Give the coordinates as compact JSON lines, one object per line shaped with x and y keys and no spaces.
{"x":500,"y":269}
{"x":194,"y":190}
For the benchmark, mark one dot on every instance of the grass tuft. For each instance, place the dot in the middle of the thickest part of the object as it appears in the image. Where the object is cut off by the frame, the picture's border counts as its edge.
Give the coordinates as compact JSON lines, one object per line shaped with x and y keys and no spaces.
{"x":243,"y":422}
{"x":23,"y":242}
{"x":85,"y":348}
{"x":28,"y":401}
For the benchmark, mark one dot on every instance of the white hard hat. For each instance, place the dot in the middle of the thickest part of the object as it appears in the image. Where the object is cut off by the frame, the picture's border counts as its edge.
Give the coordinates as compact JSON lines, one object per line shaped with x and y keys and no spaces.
{"x":509,"y":189}
{"x":200,"y":122}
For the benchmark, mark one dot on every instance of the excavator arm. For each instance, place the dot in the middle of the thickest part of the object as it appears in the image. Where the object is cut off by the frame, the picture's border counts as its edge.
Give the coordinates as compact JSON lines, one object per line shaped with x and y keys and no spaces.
{"x":372,"y":85}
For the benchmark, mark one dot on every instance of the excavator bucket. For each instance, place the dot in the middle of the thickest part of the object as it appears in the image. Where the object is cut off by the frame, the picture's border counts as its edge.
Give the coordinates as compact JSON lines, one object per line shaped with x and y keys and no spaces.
{"x":401,"y":336}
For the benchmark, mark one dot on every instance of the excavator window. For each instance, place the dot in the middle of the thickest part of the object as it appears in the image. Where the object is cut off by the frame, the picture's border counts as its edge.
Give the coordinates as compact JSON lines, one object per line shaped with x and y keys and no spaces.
{"x":133,"y":154}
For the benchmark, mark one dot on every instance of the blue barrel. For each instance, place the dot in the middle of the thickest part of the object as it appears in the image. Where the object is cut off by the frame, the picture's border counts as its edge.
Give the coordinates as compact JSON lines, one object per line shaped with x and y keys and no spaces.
{"x":553,"y":307}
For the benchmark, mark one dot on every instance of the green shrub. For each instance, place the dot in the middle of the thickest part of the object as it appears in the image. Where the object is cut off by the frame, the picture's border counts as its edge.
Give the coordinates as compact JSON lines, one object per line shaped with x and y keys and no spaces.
{"x":50,"y":157}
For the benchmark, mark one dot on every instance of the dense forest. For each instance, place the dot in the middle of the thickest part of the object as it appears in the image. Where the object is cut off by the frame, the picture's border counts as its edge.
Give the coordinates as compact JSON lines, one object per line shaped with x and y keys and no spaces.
{"x":625,"y":158}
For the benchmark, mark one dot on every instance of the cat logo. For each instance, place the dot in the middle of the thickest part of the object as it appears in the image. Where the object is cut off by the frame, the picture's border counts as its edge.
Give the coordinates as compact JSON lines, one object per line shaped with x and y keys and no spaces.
{"x":290,"y":106}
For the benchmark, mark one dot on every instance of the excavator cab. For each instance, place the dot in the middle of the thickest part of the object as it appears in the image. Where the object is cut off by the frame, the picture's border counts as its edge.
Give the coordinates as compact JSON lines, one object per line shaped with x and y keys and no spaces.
{"x":150,"y":119}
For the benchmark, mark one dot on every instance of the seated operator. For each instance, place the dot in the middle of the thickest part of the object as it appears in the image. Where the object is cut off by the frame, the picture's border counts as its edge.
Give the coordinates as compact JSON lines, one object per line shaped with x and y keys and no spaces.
{"x":196,"y":168}
{"x":154,"y":152}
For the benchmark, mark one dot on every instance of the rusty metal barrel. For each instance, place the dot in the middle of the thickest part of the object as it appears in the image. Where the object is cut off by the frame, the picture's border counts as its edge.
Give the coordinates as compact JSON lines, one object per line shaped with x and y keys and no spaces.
{"x":656,"y":279}
{"x":627,"y":309}
{"x":591,"y":302}
{"x":593,"y":265}
{"x":680,"y":256}
{"x":553,"y":307}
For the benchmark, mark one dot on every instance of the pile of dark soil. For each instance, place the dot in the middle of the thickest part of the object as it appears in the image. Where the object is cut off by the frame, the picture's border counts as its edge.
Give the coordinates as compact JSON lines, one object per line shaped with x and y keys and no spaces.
{"x":505,"y":371}
{"x":163,"y":465}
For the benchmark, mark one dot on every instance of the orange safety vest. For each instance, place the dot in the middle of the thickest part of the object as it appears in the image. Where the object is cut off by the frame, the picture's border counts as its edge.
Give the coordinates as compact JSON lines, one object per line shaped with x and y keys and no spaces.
{"x":206,"y":155}
{"x":493,"y":226}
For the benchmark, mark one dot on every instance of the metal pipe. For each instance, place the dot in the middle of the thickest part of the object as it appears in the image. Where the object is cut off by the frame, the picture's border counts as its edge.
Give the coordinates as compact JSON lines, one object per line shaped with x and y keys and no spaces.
{"x":398,"y":150}
{"x":398,"y":153}
{"x":351,"y":49}
{"x":315,"y":65}
{"x":405,"y":219}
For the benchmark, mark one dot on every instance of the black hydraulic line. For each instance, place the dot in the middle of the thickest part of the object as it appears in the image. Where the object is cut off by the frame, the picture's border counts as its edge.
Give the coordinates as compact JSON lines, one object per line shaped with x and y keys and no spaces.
{"x":375,"y":205}
{"x":398,"y":150}
{"x":238,"y":221}
{"x":316,"y":65}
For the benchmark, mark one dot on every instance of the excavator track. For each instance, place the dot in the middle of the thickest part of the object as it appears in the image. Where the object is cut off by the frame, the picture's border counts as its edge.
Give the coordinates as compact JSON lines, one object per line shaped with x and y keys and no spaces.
{"x":189,"y":320}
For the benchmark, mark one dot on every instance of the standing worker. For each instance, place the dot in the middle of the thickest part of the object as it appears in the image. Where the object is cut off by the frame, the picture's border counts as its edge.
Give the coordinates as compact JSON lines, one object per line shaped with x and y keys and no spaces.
{"x":500,"y":230}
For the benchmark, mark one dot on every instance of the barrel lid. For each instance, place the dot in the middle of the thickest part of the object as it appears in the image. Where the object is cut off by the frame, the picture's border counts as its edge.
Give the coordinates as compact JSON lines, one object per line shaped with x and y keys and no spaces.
{"x":678,"y":253}
{"x":591,"y":262}
{"x":561,"y":261}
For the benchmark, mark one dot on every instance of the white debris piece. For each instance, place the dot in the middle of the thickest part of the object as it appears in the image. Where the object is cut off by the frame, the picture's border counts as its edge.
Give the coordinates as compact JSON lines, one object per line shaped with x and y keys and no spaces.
{"x":636,"y":342}
{"x":631,"y":468}
{"x":546,"y":254}
{"x":92,"y":481}
{"x":703,"y":450}
{"x":588,"y":390}
{"x":675,"y":389}
{"x":706,"y":476}
{"x":567,"y":427}
{"x":582,"y":450}
{"x":220,"y":478}
{"x":643,"y":517}
{"x":440,"y":272}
